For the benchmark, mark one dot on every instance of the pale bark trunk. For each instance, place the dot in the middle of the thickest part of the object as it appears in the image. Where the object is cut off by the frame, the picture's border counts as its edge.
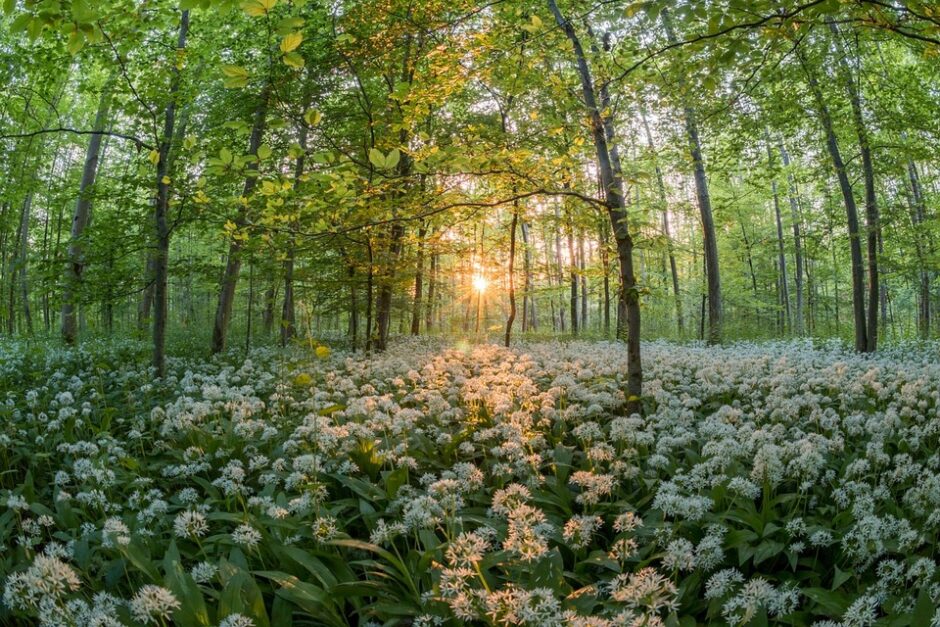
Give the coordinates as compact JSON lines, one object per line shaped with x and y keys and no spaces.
{"x":75,"y":264}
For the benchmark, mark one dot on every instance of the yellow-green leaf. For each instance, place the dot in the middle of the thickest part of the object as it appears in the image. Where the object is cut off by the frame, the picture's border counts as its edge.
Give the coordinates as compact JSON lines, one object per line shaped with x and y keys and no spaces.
{"x":293,"y":59}
{"x":377,"y":158}
{"x":312,"y":117}
{"x":291,"y":42}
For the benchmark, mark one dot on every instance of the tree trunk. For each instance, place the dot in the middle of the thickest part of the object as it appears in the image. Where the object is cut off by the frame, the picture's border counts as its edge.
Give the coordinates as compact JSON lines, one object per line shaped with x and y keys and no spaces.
{"x":512,"y":273}
{"x":871,"y":200}
{"x":582,"y":267}
{"x":919,"y":217}
{"x":793,"y":194}
{"x":419,"y":284}
{"x":781,"y":251}
{"x":614,"y":201}
{"x":161,"y":206}
{"x":573,"y":274}
{"x":529,"y":319}
{"x":288,"y":313}
{"x":432,"y":285}
{"x":223,"y":312}
{"x":75,"y":264}
{"x":712,"y":274}
{"x":851,"y":210}
{"x":670,"y":247}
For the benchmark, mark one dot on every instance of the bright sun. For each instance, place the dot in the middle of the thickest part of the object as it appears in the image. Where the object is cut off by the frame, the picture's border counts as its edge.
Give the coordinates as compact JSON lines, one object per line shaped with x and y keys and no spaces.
{"x":480,"y":283}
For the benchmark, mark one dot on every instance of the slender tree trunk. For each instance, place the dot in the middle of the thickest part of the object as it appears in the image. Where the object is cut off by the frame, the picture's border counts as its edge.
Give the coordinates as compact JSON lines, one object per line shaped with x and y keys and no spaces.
{"x":223,"y":312}
{"x":781,"y":251}
{"x":608,"y":162}
{"x":664,"y":208}
{"x":161,"y":205}
{"x":871,"y":198}
{"x":370,"y":289}
{"x":582,"y":267}
{"x":793,"y":194}
{"x":713,"y":276}
{"x":512,"y":273}
{"x":923,"y":245}
{"x":529,"y":322}
{"x":419,"y":284}
{"x":858,"y":273}
{"x":288,"y":311}
{"x":573,"y":274}
{"x":559,"y":272}
{"x":353,"y":305}
{"x":429,"y":305}
{"x":75,"y":264}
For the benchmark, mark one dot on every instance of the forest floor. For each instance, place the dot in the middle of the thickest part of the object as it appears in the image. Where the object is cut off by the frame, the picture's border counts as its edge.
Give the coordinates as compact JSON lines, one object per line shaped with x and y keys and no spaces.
{"x":440,"y":485}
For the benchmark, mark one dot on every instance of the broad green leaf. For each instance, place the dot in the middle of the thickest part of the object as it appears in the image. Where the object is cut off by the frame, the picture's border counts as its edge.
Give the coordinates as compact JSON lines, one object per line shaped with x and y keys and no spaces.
{"x":377,"y":158}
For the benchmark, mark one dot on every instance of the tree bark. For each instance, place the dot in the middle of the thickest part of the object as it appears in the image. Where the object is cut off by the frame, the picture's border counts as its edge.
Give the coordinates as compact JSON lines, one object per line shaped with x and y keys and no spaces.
{"x":871,"y":199}
{"x":614,"y":201}
{"x":75,"y":264}
{"x":670,"y":246}
{"x":512,"y":273}
{"x":161,"y":206}
{"x":223,"y":312}
{"x":793,"y":195}
{"x":419,"y":284}
{"x":573,"y":274}
{"x":851,"y":210}
{"x":712,"y":274}
{"x":432,"y":286}
{"x":288,"y":312}
{"x":781,"y":251}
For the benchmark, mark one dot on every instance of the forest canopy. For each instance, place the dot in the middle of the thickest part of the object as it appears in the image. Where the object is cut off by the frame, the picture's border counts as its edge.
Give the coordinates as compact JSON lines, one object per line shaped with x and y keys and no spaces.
{"x":730,"y":169}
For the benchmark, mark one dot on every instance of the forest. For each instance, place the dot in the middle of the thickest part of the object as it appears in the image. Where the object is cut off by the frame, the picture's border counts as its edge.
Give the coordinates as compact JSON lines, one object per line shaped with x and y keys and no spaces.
{"x":488,"y":312}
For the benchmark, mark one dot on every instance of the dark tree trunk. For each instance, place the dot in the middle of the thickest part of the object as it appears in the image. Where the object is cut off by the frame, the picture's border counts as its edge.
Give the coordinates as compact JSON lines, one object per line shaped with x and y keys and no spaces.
{"x":432,"y":285}
{"x":223,"y":312}
{"x":419,"y":284}
{"x":573,"y":274}
{"x":608,"y":162}
{"x":871,"y":199}
{"x":712,"y":274}
{"x":161,"y":205}
{"x":512,"y":273}
{"x":851,"y":210}
{"x":288,"y":311}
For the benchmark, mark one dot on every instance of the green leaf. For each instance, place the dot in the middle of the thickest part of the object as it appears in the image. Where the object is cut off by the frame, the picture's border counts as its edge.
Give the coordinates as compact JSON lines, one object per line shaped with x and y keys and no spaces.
{"x":76,"y":42}
{"x":377,"y":158}
{"x":924,"y":610}
{"x":312,"y":117}
{"x":192,"y":610}
{"x":225,"y":156}
{"x":393,"y":158}
{"x":264,"y":152}
{"x":82,"y":11}
{"x":293,"y":59}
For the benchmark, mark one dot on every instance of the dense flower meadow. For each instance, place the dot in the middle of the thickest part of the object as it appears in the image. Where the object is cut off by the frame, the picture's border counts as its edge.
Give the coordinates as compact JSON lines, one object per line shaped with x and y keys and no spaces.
{"x":432,"y":485}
